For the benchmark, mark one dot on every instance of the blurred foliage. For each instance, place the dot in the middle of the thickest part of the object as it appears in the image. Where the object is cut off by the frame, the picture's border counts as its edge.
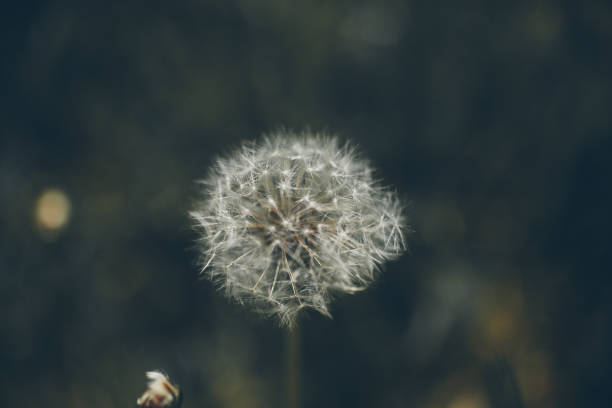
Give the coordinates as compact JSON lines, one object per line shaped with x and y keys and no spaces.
{"x":491,"y":119}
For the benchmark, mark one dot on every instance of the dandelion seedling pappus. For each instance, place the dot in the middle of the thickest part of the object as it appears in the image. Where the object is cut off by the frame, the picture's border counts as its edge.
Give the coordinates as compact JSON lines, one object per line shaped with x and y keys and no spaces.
{"x":287,"y":223}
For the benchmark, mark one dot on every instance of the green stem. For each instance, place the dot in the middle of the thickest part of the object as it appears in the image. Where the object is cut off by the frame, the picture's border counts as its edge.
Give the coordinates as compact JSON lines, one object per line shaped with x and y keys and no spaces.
{"x":293,"y":361}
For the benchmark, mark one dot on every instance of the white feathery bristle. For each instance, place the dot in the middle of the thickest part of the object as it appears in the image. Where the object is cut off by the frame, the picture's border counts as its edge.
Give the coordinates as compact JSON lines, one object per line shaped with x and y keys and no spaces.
{"x":287,"y":223}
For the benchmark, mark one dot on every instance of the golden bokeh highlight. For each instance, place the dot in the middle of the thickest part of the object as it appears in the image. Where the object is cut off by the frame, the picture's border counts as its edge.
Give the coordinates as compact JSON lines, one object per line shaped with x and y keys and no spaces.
{"x":469,"y":400}
{"x":501,"y":314}
{"x":536,"y":377}
{"x":52,"y":211}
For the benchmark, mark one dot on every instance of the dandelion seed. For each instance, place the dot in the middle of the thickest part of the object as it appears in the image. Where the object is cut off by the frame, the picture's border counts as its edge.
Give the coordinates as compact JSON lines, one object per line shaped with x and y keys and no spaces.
{"x":288,"y":223}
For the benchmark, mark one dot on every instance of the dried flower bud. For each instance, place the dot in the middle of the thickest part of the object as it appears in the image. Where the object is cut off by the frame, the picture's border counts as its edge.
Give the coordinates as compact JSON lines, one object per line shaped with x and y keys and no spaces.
{"x":161,"y":393}
{"x":287,"y":223}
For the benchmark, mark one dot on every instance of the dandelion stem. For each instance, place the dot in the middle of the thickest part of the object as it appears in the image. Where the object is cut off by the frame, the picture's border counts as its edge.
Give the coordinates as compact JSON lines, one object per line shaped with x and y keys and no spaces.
{"x":293,"y":367}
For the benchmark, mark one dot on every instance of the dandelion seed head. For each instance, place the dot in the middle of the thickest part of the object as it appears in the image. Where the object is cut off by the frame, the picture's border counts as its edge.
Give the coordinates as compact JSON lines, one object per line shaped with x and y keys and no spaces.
{"x":290,"y":222}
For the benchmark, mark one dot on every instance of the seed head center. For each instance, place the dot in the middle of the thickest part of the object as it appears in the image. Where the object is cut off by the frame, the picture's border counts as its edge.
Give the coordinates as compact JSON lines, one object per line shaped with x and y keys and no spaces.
{"x":290,"y":231}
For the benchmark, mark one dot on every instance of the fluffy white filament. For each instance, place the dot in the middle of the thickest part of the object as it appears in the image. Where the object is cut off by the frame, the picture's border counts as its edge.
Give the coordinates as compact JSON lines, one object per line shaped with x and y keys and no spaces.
{"x":287,"y":223}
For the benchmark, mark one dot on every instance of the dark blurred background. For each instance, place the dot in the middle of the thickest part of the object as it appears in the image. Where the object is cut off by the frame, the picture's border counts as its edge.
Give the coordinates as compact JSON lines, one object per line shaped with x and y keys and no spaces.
{"x":491,"y":120}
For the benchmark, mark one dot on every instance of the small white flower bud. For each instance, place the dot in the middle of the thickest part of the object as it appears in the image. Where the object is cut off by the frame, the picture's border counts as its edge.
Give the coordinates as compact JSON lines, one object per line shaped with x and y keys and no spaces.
{"x":160,"y":393}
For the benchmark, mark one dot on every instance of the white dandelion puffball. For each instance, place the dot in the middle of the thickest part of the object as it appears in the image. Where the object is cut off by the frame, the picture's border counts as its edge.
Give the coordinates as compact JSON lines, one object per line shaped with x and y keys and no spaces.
{"x":289,"y":222}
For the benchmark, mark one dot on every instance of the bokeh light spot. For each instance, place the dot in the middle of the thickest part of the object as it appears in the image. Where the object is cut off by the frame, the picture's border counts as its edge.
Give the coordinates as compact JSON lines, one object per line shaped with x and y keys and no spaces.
{"x":469,"y":400}
{"x":52,"y":210}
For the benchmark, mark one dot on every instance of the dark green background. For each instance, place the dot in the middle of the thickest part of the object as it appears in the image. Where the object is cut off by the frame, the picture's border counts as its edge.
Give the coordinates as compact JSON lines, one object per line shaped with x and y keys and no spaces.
{"x":492,"y":121}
